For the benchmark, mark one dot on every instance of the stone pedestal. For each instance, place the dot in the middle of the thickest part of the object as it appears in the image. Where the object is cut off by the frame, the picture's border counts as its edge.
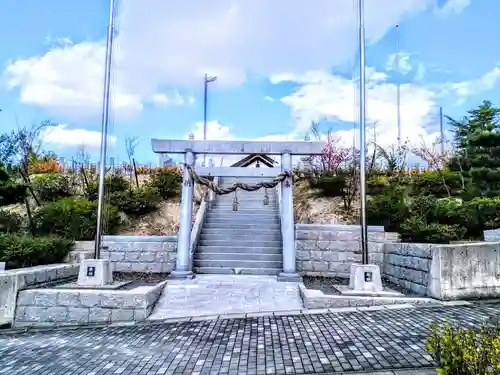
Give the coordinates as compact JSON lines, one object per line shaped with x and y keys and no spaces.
{"x":365,"y":278}
{"x":289,"y":277}
{"x":95,"y":272}
{"x":179,"y":275}
{"x":2,"y":266}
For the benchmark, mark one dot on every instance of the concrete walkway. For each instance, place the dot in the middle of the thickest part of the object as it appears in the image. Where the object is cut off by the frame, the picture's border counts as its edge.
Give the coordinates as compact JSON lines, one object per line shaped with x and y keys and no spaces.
{"x":213,"y":295}
{"x":332,"y":343}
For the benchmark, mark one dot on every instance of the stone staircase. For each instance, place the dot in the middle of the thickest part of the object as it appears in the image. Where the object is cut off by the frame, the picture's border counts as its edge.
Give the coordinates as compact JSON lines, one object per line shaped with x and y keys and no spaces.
{"x":247,"y":241}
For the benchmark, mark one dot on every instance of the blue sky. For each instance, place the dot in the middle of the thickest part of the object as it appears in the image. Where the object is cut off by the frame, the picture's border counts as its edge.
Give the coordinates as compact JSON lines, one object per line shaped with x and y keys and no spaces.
{"x":280,"y":65}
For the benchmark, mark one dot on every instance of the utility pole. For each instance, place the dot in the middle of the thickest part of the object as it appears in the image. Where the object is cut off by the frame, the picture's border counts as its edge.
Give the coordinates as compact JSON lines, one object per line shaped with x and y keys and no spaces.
{"x":441,"y":129}
{"x":398,"y":88}
{"x":104,"y":128}
{"x":362,"y":132}
{"x":205,"y":101}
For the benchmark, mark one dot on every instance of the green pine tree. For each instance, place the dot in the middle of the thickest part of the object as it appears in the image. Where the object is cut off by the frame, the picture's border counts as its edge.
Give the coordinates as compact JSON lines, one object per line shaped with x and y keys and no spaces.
{"x":477,"y":145}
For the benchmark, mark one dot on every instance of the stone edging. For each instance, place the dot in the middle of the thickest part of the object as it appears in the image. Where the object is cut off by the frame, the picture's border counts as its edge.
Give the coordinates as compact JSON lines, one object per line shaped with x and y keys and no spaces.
{"x":14,"y":281}
{"x":316,"y":299}
{"x":60,"y":307}
{"x":139,"y":239}
{"x":339,"y":310}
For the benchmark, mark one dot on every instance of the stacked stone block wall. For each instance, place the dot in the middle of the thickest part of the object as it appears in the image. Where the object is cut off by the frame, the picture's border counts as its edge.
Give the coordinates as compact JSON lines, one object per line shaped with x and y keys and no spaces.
{"x":329,"y":250}
{"x":13,"y":281}
{"x":408,"y":265}
{"x":148,"y":254}
{"x":56,"y":307}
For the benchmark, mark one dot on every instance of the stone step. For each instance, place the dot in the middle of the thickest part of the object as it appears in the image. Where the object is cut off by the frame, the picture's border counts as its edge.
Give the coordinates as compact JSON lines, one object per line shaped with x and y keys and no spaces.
{"x":240,"y":271}
{"x":245,"y":206}
{"x":259,"y":200}
{"x":216,"y":235}
{"x":241,"y":226}
{"x":238,"y":263}
{"x":238,"y":257}
{"x":242,"y":246}
{"x":245,"y":210}
{"x":242,"y":215}
{"x":235,"y":219}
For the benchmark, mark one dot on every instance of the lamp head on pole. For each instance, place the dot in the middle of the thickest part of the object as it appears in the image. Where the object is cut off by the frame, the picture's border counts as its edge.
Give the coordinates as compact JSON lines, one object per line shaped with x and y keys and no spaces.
{"x":209,"y":79}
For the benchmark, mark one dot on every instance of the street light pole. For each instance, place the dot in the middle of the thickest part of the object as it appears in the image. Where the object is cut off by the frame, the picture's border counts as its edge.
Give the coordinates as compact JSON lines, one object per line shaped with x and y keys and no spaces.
{"x":362,"y":133}
{"x":398,"y":88}
{"x":205,"y":100}
{"x":104,"y":128}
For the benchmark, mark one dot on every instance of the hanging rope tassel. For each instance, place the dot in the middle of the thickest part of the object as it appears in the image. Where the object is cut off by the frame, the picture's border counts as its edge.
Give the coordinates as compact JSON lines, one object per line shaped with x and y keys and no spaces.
{"x":266,"y":197}
{"x":235,"y":202}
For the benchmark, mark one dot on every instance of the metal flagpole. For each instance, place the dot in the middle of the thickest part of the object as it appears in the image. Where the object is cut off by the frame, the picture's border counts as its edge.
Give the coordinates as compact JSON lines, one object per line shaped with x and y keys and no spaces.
{"x":205,"y":100}
{"x":104,"y":127}
{"x":362,"y":132}
{"x":441,"y":129}
{"x":398,"y":87}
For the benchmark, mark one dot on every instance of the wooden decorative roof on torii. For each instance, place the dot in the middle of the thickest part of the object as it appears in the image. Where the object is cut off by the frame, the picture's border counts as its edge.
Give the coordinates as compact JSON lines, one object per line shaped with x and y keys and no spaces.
{"x":252,"y":158}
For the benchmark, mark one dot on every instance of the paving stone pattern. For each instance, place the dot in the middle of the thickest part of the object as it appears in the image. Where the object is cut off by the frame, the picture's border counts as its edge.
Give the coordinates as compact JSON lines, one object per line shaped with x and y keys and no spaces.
{"x":302,"y":344}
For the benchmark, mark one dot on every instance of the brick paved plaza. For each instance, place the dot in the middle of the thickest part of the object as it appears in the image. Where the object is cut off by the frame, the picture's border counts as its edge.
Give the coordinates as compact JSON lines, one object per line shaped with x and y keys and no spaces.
{"x":299,"y":344}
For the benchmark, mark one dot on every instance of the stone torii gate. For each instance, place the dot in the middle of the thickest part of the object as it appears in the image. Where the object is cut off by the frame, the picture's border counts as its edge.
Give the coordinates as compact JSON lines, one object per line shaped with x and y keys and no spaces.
{"x":190,"y":148}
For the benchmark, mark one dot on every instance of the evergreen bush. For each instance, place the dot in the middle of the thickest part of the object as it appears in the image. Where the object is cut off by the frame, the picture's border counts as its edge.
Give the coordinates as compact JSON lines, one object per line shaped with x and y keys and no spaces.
{"x":22,"y":250}
{"x":74,"y":218}
{"x":166,"y":181}
{"x":53,"y":186}
{"x":460,"y":351}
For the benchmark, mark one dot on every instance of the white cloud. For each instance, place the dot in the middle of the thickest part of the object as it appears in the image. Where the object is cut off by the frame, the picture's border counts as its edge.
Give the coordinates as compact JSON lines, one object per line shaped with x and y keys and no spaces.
{"x":162,"y":99}
{"x":322,"y":96}
{"x":215,"y":131}
{"x":268,"y":98}
{"x":162,"y":44}
{"x":69,"y":78}
{"x":60,"y":136}
{"x":453,"y":7}
{"x":403,"y":63}
{"x":466,"y":89}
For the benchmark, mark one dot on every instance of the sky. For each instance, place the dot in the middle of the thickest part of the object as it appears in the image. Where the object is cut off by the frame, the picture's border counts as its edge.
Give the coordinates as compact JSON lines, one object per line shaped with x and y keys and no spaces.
{"x":279,"y":64}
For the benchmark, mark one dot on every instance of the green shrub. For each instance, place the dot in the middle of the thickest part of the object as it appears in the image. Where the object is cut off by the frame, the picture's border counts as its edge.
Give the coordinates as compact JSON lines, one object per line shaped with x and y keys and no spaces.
{"x":53,"y":186}
{"x":167,"y":181}
{"x":10,"y":221}
{"x":488,"y":211}
{"x":136,"y":202}
{"x":376,"y":185}
{"x":423,"y":206}
{"x":74,"y":218}
{"x":417,"y":229}
{"x":431,"y":183}
{"x":20,"y":250}
{"x":115,"y":183}
{"x":11,"y":192}
{"x":459,"y":351}
{"x":389,"y":210}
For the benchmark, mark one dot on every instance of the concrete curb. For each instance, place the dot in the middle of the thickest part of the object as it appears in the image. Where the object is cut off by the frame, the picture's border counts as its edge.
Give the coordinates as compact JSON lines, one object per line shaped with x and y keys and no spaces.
{"x":194,"y":319}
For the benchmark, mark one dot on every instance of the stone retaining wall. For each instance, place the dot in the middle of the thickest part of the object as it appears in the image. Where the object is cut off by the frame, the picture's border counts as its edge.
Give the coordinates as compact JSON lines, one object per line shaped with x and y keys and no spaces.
{"x":329,"y":250}
{"x":13,"y":281}
{"x":445,"y":272}
{"x":407,"y":265}
{"x":465,"y":271}
{"x":492,"y":235}
{"x":58,"y":307}
{"x":149,"y":254}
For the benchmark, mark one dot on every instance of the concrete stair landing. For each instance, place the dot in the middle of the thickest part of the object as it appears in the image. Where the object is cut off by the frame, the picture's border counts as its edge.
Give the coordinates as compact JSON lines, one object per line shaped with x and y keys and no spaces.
{"x":247,"y":241}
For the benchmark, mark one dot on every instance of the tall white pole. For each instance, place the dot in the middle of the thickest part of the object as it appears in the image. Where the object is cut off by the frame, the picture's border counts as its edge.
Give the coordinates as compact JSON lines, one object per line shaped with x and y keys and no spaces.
{"x":362,"y":132}
{"x":104,"y":127}
{"x":205,"y":101}
{"x":398,"y":87}
{"x":441,"y":129}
